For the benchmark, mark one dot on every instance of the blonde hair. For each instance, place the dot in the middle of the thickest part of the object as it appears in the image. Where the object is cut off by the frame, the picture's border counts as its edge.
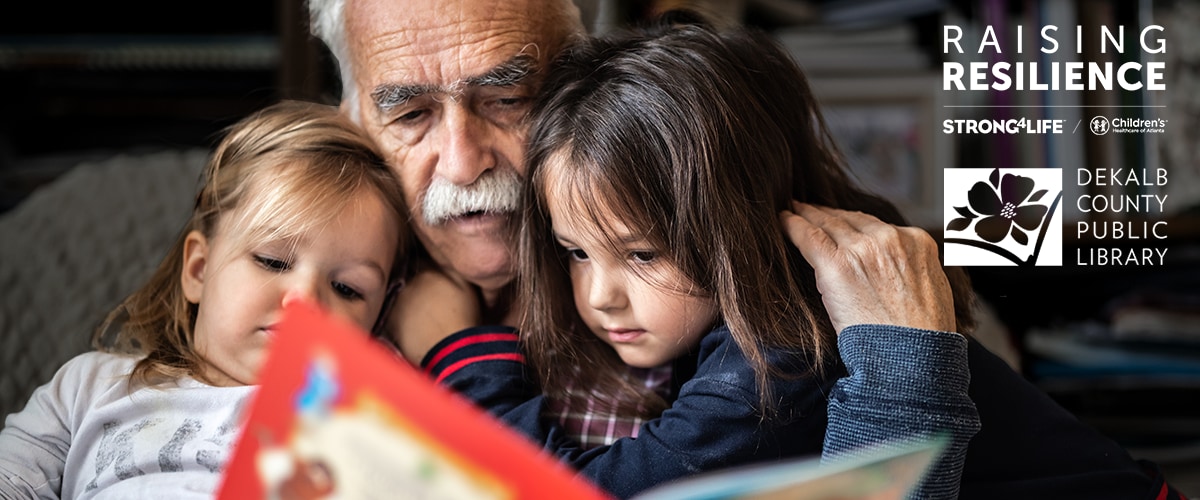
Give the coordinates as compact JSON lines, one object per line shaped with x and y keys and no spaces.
{"x":283,"y":171}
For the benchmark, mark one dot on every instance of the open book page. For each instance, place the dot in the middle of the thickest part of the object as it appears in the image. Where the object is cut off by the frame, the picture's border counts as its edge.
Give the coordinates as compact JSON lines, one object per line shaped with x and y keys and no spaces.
{"x":337,"y":415}
{"x":884,"y":473}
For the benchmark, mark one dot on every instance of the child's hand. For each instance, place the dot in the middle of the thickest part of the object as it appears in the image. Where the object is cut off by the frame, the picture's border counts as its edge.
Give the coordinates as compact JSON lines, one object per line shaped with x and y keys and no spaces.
{"x":871,"y":272}
{"x":431,"y":307}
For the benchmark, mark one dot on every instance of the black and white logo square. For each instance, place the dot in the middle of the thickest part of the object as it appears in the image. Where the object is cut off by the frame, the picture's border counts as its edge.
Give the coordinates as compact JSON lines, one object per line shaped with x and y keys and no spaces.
{"x":1002,"y":217}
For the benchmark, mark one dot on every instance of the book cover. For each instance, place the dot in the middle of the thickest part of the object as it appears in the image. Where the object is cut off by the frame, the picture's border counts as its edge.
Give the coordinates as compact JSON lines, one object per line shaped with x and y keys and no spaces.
{"x":338,"y":415}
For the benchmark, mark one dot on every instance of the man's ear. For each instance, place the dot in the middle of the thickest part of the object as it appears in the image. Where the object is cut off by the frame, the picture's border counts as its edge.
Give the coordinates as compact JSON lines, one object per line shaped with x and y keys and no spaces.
{"x":195,"y":259}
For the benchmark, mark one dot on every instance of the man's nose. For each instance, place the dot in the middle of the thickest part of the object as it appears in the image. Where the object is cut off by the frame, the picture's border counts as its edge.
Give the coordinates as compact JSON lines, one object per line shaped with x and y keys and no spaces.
{"x":465,"y":149}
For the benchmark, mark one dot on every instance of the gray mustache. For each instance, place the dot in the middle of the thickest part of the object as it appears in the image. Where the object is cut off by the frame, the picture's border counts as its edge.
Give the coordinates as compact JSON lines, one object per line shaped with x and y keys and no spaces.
{"x":496,"y":191}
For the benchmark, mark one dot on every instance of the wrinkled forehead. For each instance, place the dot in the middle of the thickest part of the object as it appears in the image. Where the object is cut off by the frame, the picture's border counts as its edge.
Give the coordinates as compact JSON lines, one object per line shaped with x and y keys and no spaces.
{"x":440,"y":42}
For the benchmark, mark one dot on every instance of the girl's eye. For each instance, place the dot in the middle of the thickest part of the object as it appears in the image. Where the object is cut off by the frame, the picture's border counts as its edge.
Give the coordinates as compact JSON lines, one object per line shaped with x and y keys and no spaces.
{"x":577,"y":254}
{"x":345,"y":291}
{"x":642,"y":257}
{"x":271,"y":263}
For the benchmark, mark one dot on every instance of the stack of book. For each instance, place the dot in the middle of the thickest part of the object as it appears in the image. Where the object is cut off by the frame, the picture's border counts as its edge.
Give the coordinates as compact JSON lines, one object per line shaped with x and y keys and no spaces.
{"x":883,"y":46}
{"x":1135,"y":374}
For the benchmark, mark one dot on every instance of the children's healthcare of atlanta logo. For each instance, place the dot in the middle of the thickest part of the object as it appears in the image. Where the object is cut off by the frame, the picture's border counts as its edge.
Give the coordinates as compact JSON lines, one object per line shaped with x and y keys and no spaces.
{"x":1002,"y":217}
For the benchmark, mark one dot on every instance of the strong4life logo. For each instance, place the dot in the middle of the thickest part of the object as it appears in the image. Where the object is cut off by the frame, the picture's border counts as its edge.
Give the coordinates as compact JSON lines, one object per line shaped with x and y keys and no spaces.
{"x":1003,"y":217}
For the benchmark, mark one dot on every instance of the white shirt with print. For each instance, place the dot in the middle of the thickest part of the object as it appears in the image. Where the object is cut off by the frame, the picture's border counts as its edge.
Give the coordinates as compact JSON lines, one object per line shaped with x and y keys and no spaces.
{"x":88,"y":434}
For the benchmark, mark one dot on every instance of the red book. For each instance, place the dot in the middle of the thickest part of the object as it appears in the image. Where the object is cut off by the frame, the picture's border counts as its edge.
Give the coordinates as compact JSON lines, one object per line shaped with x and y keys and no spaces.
{"x":338,"y":415}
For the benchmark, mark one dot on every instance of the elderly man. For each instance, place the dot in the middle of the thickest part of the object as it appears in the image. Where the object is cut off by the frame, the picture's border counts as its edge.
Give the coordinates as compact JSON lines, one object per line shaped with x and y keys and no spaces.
{"x":443,"y":86}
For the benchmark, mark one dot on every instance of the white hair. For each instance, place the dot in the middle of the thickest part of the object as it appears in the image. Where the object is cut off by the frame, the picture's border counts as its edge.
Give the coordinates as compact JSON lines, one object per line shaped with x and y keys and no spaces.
{"x":328,"y":23}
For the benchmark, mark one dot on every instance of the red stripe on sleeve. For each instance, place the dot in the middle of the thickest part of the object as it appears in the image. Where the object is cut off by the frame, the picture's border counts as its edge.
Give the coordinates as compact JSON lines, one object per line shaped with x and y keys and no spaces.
{"x":486,"y":357}
{"x":474,"y":339}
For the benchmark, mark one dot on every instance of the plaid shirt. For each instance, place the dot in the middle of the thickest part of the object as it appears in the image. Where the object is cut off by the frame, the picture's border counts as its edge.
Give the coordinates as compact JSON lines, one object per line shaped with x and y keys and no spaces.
{"x":597,"y":425}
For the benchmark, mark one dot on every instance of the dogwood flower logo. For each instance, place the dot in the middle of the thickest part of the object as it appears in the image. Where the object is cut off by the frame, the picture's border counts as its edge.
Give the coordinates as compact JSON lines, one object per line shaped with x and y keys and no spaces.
{"x":1004,"y":204}
{"x":1001,"y":214}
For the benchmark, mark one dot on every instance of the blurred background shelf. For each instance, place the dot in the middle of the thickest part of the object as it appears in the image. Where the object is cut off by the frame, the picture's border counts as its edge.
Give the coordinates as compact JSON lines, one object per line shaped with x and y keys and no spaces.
{"x":86,"y":81}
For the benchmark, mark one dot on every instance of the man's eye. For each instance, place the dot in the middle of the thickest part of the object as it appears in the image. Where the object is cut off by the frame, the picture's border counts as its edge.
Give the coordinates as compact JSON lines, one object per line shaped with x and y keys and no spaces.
{"x":271,"y":263}
{"x":508,"y":110}
{"x":577,"y":254}
{"x":411,"y":116}
{"x":511,"y":101}
{"x":642,"y":256}
{"x":346,"y":292}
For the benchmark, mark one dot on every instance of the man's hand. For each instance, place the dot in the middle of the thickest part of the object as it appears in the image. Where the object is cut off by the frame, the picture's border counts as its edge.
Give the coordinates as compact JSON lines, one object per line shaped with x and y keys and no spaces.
{"x":431,"y":306}
{"x":871,"y":272}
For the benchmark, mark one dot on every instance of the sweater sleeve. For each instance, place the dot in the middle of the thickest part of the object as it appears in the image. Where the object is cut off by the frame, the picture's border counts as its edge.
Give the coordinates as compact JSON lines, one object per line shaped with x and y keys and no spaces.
{"x":903,"y":383}
{"x":35,"y":440}
{"x":486,"y":365}
{"x":713,"y":424}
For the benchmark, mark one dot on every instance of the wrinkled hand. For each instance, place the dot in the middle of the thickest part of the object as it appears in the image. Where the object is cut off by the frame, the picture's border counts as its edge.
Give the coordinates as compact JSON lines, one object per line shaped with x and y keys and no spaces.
{"x":871,"y":272}
{"x":431,"y":306}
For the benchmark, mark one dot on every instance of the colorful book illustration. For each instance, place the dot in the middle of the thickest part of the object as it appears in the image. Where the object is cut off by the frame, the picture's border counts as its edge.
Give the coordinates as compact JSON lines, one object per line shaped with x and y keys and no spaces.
{"x":338,"y":415}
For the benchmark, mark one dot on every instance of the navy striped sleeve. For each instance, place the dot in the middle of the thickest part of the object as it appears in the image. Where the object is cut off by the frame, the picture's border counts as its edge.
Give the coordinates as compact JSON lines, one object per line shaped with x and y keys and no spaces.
{"x":473,"y":345}
{"x":484,"y":364}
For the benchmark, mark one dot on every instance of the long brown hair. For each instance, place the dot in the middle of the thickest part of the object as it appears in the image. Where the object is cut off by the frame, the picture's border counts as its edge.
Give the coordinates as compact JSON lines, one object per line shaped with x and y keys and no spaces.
{"x":696,"y":138}
{"x":284,"y":170}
